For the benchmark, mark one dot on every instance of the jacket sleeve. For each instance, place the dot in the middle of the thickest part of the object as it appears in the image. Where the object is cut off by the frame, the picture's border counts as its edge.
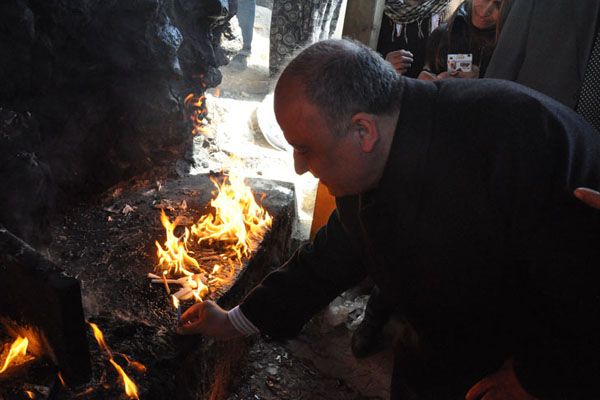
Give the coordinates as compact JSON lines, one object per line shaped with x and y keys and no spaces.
{"x":288,"y":297}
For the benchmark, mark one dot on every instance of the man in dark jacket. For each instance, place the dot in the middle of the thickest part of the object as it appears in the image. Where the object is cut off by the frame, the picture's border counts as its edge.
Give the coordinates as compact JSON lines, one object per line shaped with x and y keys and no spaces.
{"x":456,"y":198}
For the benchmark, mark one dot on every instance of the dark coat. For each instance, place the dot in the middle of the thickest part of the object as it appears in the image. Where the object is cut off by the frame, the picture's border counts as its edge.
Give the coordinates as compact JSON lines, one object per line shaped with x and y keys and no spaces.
{"x":474,"y":233}
{"x":546,"y":45}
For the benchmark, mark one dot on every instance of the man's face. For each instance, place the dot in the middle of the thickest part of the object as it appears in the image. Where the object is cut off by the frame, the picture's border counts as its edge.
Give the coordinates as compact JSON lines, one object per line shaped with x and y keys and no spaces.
{"x":337,"y":160}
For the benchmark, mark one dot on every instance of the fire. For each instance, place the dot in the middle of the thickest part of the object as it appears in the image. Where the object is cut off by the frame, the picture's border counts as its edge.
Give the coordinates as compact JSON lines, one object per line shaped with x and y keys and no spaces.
{"x":18,"y":348}
{"x":238,"y":225}
{"x":174,"y":257}
{"x":238,"y":218}
{"x":130,"y":387}
{"x":198,"y":112}
{"x":100,"y":338}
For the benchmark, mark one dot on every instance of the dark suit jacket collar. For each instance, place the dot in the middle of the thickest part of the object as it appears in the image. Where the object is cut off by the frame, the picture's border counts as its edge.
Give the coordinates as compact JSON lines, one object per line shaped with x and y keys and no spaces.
{"x":402,"y":179}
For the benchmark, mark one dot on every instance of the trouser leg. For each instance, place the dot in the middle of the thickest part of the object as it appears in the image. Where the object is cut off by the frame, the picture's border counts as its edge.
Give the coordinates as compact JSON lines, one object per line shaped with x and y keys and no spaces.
{"x":246,"y":14}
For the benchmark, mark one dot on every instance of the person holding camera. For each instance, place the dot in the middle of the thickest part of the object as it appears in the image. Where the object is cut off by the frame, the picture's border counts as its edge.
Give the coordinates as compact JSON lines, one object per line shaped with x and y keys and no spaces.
{"x":471,"y":30}
{"x":405,"y":28}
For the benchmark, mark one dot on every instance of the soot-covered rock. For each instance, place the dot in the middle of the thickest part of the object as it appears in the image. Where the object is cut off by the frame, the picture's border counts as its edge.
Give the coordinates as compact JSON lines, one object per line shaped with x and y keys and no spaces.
{"x":104,"y":81}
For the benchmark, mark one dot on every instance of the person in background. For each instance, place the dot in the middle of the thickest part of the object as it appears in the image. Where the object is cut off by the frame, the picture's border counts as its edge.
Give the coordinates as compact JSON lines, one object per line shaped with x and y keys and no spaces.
{"x":470,"y":30}
{"x":246,"y":13}
{"x":298,"y":23}
{"x":456,"y":198}
{"x":405,"y":28}
{"x":553,"y":47}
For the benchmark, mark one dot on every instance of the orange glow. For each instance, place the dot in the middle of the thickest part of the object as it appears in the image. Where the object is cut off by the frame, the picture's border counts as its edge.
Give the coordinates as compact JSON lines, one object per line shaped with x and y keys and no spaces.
{"x":197,"y":112}
{"x":238,"y":224}
{"x":130,"y":387}
{"x":62,"y":381}
{"x":238,"y":219}
{"x":100,"y":338}
{"x":139,"y":367}
{"x":30,"y":394}
{"x":18,"y":348}
{"x":174,"y":257}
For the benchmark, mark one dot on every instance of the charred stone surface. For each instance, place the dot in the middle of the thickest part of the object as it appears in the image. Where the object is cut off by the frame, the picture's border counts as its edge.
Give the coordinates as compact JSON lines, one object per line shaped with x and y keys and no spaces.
{"x":37,"y":295}
{"x":104,"y":82}
{"x":110,"y":248}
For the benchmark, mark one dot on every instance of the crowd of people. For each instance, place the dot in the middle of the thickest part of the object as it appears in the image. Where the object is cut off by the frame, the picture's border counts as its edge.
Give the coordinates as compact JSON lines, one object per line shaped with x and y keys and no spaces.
{"x":470,"y":203}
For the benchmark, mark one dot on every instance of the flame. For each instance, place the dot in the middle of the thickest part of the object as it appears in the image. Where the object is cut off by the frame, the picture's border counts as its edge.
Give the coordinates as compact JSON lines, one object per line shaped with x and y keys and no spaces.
{"x":174,"y":257}
{"x":62,"y":381}
{"x":18,"y":348}
{"x":100,"y":338}
{"x":130,"y":387}
{"x":238,"y":218}
{"x":30,"y":394}
{"x":139,"y":367}
{"x":238,"y":224}
{"x":198,"y":112}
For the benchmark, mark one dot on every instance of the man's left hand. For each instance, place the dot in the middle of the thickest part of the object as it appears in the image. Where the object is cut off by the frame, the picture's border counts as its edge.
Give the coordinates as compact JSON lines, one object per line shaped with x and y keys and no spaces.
{"x":501,"y":385}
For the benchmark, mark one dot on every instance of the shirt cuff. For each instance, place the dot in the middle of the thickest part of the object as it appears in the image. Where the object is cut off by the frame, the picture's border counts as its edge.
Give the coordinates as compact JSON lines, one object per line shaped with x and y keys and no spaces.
{"x":240,"y":322}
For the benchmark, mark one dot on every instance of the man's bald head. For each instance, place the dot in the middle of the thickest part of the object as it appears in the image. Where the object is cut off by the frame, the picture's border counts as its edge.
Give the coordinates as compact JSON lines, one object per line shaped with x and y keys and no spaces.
{"x":341,"y":78}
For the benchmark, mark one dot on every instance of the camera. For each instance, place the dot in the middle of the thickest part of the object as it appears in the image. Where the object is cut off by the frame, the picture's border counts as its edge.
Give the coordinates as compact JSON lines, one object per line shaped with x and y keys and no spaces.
{"x":460,"y":62}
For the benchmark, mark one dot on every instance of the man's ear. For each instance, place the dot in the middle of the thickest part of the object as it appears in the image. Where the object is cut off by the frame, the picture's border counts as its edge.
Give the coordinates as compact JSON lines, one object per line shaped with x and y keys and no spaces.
{"x":366,"y":130}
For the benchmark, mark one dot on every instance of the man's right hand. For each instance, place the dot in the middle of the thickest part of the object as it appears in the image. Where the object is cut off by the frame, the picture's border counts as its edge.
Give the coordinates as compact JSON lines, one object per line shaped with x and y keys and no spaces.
{"x":207,"y":318}
{"x":401,"y":60}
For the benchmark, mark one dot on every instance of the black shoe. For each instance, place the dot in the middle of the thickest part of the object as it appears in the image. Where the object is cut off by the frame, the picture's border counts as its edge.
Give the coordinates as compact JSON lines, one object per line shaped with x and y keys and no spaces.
{"x":366,"y":340}
{"x":239,"y":62}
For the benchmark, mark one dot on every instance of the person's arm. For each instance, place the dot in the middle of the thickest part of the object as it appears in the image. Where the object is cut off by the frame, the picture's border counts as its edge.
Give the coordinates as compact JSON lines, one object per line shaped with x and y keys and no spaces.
{"x":288,"y":297}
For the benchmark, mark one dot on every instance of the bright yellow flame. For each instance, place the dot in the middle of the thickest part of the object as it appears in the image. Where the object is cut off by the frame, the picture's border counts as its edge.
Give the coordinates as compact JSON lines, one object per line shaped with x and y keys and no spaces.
{"x":30,"y":394}
{"x":174,"y":256}
{"x":238,"y":218}
{"x":130,"y":387}
{"x":18,"y":348}
{"x":100,"y":338}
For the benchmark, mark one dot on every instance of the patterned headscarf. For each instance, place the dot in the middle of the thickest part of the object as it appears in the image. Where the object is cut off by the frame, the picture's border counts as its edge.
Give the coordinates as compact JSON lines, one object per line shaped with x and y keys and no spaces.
{"x":402,"y":13}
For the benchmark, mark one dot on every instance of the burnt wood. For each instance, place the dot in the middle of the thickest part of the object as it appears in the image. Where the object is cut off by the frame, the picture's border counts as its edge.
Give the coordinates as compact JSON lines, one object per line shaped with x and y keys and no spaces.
{"x":38,"y":294}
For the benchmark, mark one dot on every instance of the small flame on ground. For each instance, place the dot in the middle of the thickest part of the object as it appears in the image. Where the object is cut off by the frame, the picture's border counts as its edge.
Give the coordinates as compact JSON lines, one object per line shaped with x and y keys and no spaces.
{"x":30,"y":394}
{"x":61,"y":379}
{"x":100,"y":338}
{"x":130,"y":387}
{"x":18,"y":348}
